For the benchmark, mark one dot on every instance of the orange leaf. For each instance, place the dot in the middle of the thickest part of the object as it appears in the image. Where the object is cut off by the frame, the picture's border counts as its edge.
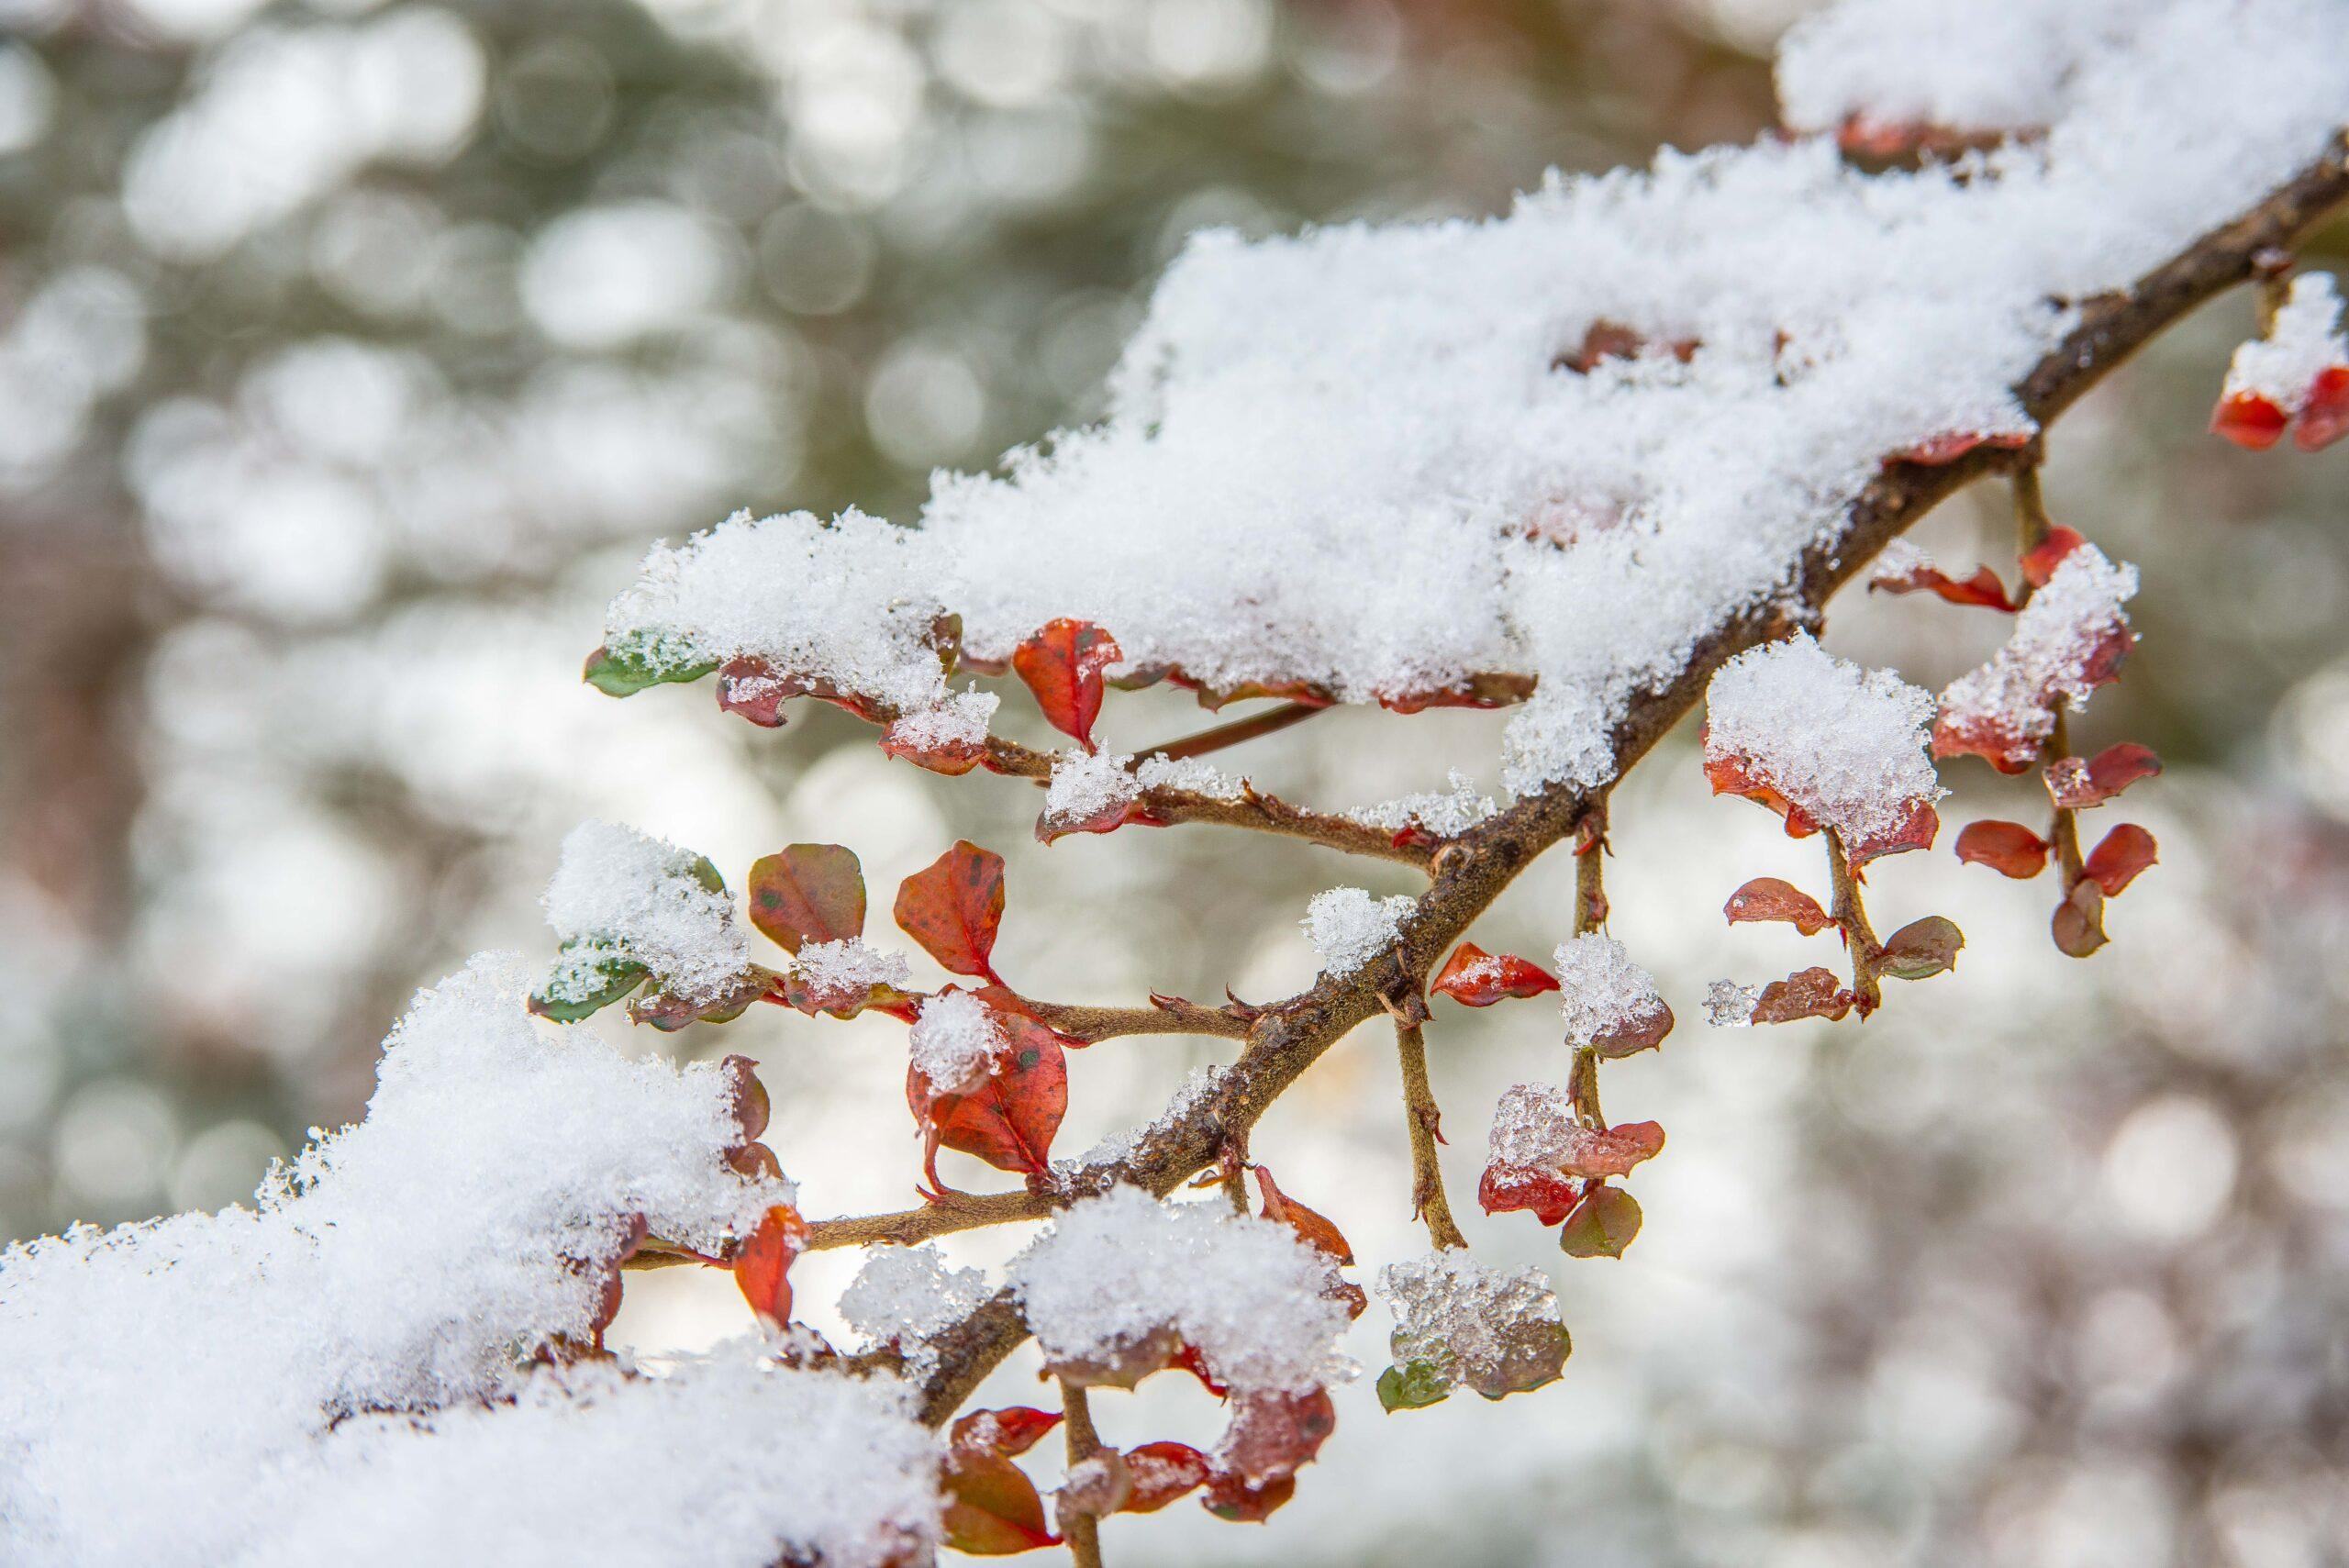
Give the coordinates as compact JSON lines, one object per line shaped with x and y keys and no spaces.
{"x":1505,"y":1187}
{"x":2039,"y":563}
{"x":2324,"y":417}
{"x":953,"y":907}
{"x":1476,"y":979}
{"x":1163,"y":1473}
{"x":2114,"y":863}
{"x":1061,"y":664}
{"x":1768,"y":898}
{"x":763,"y":1268}
{"x":1009,"y":1120}
{"x":2249,"y":420}
{"x":1983,"y":588}
{"x":808,"y":893}
{"x":992,"y":1508}
{"x":1590,"y":1152}
{"x":2007,"y":847}
{"x":1012,"y":1431}
{"x":1317,"y":1229}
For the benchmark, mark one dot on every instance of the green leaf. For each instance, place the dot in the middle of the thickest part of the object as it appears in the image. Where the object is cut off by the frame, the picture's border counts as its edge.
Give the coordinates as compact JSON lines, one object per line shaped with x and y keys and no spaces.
{"x":624,"y":671}
{"x":1921,"y":948}
{"x":1601,"y":1225}
{"x":587,"y":988}
{"x":1413,"y":1386}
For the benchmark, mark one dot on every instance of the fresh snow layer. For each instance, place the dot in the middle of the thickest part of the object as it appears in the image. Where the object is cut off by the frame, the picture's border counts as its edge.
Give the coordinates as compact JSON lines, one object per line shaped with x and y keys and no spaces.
{"x":1356,"y":457}
{"x":191,"y":1390}
{"x":908,"y":1294}
{"x":1848,"y":746}
{"x":1601,"y":990}
{"x":1249,"y":1293}
{"x":954,"y":1041}
{"x":618,"y":894}
{"x":1460,"y":1318}
{"x":1349,"y":928}
{"x":848,"y":968}
{"x":2305,"y":342}
{"x":2050,"y":656}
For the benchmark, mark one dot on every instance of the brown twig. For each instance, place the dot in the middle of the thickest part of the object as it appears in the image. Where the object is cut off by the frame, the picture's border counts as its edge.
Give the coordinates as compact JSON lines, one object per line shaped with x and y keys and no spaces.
{"x":1474,"y":868}
{"x":1080,"y":1528}
{"x":1269,"y":722}
{"x":1423,"y":1119}
{"x":1166,"y":1015}
{"x":1851,"y":914}
{"x":2032,"y":525}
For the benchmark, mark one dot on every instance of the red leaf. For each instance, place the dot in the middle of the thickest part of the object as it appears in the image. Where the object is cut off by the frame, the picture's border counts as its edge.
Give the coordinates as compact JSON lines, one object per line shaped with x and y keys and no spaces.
{"x":1947,"y":447}
{"x":1915,"y":831}
{"x":1063,"y":664}
{"x":1728,"y":776}
{"x":746,"y":1098}
{"x":2249,"y":420}
{"x":1983,"y":588}
{"x":1811,"y":993}
{"x":2324,"y":417}
{"x":951,"y":758}
{"x":1116,"y":814}
{"x":1476,"y":979}
{"x":1162,"y":1472}
{"x":2114,"y":863}
{"x":2008,"y":848}
{"x":1012,"y":1431}
{"x":953,"y":907}
{"x":1272,"y":1434}
{"x":1591,"y":1154}
{"x":1505,"y":1187}
{"x":1316,"y":1228}
{"x":992,"y":1508}
{"x":846,"y":1002}
{"x":1768,"y":898}
{"x":1009,"y":1120}
{"x":763,"y":1268}
{"x":2075,"y":785}
{"x":808,"y":893}
{"x":2039,"y":563}
{"x":1613,"y":340}
{"x":1241,"y":1501}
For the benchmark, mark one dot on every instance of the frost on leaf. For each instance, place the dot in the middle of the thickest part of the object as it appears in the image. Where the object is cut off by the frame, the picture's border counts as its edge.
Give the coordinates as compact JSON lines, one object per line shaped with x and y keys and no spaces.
{"x":1061,"y":663}
{"x":2298,"y":373}
{"x":630,"y":908}
{"x":1825,"y":744}
{"x":1902,"y":568}
{"x":1091,"y":793}
{"x":1811,"y":993}
{"x":1610,"y":1004}
{"x":1475,"y":978}
{"x":1162,"y":1472}
{"x":1770,"y":898}
{"x":2068,"y":641}
{"x":949,"y":739}
{"x":844,"y":978}
{"x":1538,"y":1151}
{"x":988,"y":1081}
{"x":954,"y":907}
{"x":2075,"y":785}
{"x":1349,"y":928}
{"x":1456,"y":1322}
{"x":2007,"y":847}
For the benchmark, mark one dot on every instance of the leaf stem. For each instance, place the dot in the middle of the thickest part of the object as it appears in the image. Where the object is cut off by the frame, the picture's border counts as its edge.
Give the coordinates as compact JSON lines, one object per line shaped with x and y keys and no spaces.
{"x":1849,"y":913}
{"x":1423,"y":1118}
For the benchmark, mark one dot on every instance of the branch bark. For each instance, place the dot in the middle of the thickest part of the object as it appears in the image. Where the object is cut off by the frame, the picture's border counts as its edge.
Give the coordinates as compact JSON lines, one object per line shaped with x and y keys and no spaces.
{"x":1474,"y":868}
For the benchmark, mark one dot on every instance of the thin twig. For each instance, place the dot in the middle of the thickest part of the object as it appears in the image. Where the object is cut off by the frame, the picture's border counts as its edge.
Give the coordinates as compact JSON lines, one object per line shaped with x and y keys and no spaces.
{"x":1591,"y":883}
{"x":1271,"y":721}
{"x":1081,"y":1530}
{"x":1423,"y":1119}
{"x":954,"y":1211}
{"x":1852,"y":915}
{"x":1167,"y":1016}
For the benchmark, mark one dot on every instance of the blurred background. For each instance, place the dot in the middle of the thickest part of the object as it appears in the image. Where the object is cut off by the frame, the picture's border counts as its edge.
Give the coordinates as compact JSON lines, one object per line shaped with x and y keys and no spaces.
{"x":351,"y":354}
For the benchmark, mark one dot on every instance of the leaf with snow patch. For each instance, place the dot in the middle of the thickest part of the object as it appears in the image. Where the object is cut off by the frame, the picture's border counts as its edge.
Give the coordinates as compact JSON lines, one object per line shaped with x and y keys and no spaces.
{"x":954,"y":907}
{"x":1812,"y":993}
{"x":587,"y":978}
{"x":1061,"y":663}
{"x":668,"y":1010}
{"x":1916,"y":574}
{"x":1162,"y":1472}
{"x":1474,"y":978}
{"x":1272,"y":1434}
{"x":1413,"y":1386}
{"x":1010,"y":1120}
{"x":808,"y":893}
{"x":2075,"y":785}
{"x":624,"y":671}
{"x":1013,"y":1429}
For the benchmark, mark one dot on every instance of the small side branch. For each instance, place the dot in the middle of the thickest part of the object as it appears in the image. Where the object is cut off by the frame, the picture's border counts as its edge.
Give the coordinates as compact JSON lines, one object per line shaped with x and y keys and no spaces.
{"x":954,"y":1211}
{"x":1849,"y":913}
{"x":1165,"y":1015}
{"x":1081,"y":1529}
{"x":1591,"y":883}
{"x":1424,"y":1121}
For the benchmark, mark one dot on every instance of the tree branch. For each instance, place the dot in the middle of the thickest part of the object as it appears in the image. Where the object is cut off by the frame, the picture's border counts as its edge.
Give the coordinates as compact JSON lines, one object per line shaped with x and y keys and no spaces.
{"x":1165,"y":1015}
{"x":1474,"y":868}
{"x":1428,"y":1202}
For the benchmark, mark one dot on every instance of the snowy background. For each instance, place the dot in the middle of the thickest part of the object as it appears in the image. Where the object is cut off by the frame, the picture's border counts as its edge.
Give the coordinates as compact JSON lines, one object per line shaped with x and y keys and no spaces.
{"x":350,"y":355}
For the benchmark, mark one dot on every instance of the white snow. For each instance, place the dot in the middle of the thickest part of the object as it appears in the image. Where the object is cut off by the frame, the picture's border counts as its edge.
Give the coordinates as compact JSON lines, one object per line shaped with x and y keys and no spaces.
{"x":2046,"y":659}
{"x":1730,"y":1006}
{"x":848,"y":968}
{"x":1848,"y":746}
{"x":1446,"y":813}
{"x":955,"y":1038}
{"x":1112,"y":1271}
{"x":1346,"y":457}
{"x":1601,"y":991}
{"x":1195,"y":774}
{"x":959,"y":719}
{"x":1529,"y":1123}
{"x":1466,"y":1320}
{"x":2306,"y":341}
{"x":621,"y":894}
{"x":1086,"y":786}
{"x":908,"y":1294}
{"x":1349,"y":928}
{"x":178,"y":1391}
